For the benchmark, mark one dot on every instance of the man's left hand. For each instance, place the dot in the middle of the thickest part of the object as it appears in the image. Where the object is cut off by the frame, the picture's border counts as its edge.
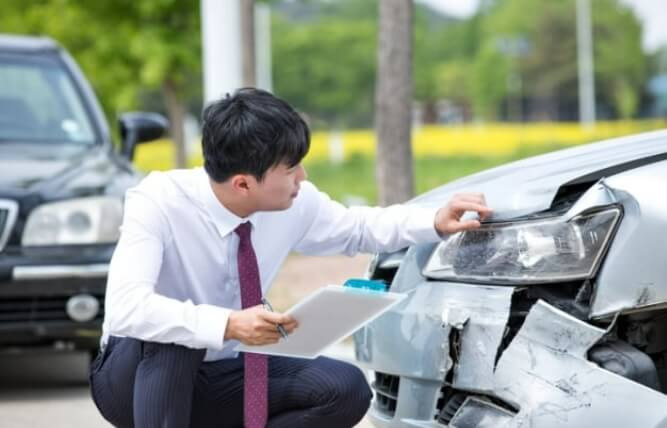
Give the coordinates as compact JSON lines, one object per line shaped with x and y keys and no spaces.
{"x":448,"y":218}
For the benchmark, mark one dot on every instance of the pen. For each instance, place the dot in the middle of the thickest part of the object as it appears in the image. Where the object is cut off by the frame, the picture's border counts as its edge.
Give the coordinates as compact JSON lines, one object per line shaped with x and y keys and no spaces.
{"x":269,"y":308}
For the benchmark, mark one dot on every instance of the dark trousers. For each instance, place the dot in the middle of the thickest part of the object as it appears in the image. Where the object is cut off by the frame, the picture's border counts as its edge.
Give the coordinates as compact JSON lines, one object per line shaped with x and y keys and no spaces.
{"x":146,"y":384}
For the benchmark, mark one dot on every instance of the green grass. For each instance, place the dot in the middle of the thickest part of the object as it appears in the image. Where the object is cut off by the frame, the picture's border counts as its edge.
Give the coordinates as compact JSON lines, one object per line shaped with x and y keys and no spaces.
{"x":355,"y":177}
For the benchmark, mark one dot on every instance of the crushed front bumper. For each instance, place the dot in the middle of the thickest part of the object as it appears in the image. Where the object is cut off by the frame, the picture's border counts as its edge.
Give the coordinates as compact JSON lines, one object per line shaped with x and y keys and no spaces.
{"x":542,"y":378}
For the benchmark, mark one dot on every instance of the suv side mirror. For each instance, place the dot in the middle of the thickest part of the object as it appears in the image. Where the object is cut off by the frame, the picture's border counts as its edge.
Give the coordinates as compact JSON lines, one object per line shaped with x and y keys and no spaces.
{"x":138,"y":127}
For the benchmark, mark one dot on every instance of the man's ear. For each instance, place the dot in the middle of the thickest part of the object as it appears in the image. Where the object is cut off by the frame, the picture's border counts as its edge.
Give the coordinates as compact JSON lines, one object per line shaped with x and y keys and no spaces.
{"x":241,"y":183}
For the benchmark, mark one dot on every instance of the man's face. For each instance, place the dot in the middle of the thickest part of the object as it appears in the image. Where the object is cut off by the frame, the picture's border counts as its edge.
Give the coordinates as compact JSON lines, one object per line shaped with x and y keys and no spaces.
{"x":278,"y":188}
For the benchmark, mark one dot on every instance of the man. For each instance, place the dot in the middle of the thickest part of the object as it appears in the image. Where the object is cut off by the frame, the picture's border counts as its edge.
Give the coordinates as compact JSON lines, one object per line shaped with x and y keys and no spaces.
{"x":198,"y":249}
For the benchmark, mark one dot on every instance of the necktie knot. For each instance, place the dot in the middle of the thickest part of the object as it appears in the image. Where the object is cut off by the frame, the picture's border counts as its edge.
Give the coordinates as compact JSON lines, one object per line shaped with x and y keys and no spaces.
{"x":243,"y":230}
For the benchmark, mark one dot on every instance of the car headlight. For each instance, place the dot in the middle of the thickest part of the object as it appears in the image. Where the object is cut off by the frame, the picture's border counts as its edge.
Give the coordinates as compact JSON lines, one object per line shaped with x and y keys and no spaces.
{"x":546,"y":250}
{"x":92,"y":220}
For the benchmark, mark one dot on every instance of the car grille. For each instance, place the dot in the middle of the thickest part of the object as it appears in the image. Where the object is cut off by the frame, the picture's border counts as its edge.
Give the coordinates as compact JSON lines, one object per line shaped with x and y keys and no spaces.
{"x":27,"y":309}
{"x":386,"y":392}
{"x":451,"y":401}
{"x":8,"y":211}
{"x":4,"y":213}
{"x":448,"y":408}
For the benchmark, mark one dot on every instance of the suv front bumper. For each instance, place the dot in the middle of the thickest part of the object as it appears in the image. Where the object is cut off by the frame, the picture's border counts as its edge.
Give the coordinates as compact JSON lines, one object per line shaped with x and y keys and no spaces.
{"x":36,"y":286}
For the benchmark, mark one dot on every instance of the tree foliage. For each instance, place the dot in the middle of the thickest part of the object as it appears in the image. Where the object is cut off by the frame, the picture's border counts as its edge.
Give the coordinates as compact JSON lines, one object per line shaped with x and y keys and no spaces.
{"x":77,"y":28}
{"x":326,"y":68}
{"x":548,"y":68}
{"x":324,"y":59}
{"x":128,"y":49}
{"x":148,"y":52}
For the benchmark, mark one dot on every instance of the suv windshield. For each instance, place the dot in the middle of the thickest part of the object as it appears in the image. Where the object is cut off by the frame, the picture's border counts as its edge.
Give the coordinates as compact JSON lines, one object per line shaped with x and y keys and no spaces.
{"x":39,"y":103}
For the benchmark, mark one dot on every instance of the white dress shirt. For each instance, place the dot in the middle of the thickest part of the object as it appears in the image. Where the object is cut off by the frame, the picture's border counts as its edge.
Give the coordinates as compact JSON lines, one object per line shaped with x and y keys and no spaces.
{"x":173,"y":276}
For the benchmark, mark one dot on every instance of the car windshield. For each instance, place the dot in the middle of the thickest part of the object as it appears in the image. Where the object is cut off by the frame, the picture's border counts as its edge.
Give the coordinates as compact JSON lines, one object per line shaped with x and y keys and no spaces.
{"x":39,"y":103}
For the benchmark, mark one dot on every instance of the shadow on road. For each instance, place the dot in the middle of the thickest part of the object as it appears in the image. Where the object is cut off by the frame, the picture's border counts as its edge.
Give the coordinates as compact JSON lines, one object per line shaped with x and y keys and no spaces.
{"x":42,"y":374}
{"x":46,"y":389}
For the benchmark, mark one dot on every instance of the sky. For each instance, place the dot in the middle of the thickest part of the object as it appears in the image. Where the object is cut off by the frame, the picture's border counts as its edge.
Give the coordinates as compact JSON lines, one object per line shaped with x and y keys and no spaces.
{"x":652,"y":14}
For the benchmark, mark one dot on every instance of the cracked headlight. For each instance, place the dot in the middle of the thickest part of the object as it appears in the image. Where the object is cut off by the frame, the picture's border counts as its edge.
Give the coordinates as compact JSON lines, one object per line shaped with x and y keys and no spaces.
{"x":93,"y":220}
{"x":545,"y":250}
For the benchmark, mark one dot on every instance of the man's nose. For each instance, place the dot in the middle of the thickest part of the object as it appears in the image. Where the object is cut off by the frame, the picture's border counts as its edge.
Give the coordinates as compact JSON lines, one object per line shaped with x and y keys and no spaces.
{"x":302,"y":173}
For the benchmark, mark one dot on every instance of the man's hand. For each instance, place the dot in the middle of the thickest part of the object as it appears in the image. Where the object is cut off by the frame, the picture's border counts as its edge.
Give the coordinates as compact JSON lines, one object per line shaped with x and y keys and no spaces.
{"x":257,"y":326}
{"x":448,"y":218}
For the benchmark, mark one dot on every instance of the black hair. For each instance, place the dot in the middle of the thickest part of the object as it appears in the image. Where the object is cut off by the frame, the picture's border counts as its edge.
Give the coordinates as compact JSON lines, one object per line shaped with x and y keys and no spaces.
{"x":251,"y":132}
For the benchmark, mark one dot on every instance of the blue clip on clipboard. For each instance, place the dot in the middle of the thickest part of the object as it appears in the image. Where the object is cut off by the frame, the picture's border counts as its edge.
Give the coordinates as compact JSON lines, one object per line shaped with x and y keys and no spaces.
{"x":366,"y":284}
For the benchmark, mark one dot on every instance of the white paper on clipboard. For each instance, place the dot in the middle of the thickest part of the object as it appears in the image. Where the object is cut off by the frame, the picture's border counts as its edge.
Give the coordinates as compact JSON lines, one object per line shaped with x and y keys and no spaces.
{"x":327,"y":316}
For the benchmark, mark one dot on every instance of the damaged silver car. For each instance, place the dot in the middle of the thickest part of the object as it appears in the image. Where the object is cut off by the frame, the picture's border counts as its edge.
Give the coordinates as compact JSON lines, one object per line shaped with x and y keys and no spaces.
{"x":552,"y":314}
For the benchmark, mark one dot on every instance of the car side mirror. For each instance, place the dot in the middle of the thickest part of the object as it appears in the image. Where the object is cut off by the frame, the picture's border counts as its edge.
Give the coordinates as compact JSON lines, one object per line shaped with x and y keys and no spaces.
{"x":138,"y":127}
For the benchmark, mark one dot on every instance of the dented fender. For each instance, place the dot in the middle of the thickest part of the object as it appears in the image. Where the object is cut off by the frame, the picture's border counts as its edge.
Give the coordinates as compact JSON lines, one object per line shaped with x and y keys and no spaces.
{"x":545,"y":374}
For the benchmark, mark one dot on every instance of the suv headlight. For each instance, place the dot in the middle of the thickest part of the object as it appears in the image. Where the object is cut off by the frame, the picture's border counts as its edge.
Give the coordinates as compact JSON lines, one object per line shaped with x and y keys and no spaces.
{"x":536,"y":251}
{"x":92,"y":220}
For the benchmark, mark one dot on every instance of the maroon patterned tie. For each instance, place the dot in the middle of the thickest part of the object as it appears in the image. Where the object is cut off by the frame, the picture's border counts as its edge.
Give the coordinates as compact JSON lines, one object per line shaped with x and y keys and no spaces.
{"x":255,"y":405}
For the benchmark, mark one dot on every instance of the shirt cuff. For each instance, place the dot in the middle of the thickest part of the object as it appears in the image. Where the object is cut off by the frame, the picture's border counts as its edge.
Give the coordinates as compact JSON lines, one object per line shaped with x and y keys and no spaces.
{"x":211,"y":326}
{"x":423,"y":225}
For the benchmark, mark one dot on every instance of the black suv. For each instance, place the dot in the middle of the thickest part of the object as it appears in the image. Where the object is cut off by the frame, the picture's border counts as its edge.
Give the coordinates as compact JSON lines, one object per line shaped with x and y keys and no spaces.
{"x":61,"y":195}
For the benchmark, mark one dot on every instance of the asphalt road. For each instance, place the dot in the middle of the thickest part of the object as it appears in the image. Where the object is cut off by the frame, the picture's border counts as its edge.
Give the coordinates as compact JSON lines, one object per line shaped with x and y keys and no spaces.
{"x":47,"y":389}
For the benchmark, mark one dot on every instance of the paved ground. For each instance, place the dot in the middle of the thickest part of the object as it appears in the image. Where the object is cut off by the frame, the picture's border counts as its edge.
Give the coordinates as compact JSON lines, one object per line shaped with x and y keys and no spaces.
{"x":50,"y":389}
{"x":46,"y":390}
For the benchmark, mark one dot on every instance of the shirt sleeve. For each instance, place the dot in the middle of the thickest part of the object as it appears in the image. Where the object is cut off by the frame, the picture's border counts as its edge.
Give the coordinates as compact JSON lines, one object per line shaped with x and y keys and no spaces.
{"x":332,"y":228}
{"x":133,"y":308}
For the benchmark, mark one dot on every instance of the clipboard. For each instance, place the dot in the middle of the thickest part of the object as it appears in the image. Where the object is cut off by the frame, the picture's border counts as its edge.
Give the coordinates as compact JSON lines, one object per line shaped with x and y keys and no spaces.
{"x":326,"y":316}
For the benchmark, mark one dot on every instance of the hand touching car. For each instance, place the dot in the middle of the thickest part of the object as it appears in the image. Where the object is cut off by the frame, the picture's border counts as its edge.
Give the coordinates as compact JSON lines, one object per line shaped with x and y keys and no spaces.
{"x":448,"y":218}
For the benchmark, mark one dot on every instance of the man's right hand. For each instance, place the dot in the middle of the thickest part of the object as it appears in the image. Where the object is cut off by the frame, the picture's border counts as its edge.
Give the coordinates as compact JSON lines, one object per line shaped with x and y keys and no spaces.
{"x":257,"y":326}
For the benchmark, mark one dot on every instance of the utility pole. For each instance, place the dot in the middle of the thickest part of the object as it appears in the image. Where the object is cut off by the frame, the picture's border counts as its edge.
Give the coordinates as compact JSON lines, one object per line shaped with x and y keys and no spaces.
{"x":585,"y":64}
{"x":221,"y":42}
{"x":236,"y":42}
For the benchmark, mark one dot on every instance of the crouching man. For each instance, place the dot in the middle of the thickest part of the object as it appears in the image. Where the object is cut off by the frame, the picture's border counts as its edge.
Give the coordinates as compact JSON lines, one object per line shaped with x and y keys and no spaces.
{"x":198,"y":250}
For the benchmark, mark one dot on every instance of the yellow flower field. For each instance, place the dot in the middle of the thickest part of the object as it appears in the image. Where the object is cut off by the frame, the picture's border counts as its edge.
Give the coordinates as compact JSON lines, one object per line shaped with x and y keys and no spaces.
{"x":476,"y":140}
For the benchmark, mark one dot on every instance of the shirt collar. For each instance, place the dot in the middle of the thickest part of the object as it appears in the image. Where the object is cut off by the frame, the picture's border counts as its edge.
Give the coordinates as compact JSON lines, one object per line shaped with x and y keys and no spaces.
{"x":225,"y":220}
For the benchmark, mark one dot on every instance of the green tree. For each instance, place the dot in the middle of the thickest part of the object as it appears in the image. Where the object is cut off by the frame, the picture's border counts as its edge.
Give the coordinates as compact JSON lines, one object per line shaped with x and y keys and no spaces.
{"x":326,"y":68}
{"x":324,"y":56}
{"x":163,"y":43}
{"x":438,"y":40}
{"x":103,"y":59}
{"x":453,"y":81}
{"x":620,"y":65}
{"x":126,"y":48}
{"x":548,"y":69}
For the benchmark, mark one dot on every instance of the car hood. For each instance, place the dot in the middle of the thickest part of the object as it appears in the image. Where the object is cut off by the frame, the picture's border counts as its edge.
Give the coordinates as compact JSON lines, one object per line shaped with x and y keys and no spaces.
{"x":55,"y":171}
{"x":530,"y":185}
